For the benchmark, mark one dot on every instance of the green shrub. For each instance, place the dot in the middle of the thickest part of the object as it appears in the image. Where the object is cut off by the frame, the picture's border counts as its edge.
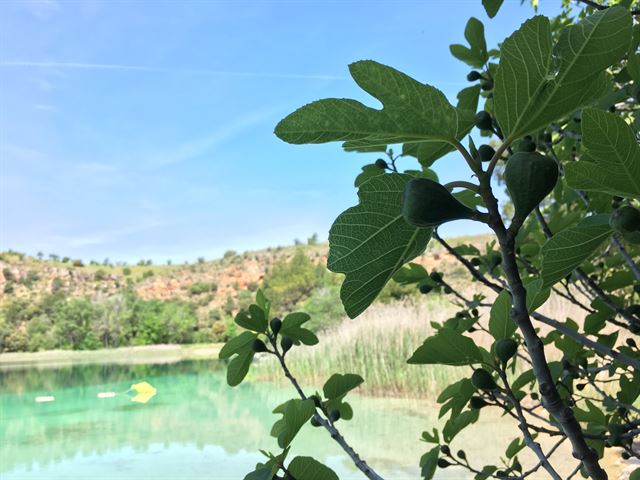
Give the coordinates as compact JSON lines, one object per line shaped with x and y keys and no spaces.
{"x":198,"y":288}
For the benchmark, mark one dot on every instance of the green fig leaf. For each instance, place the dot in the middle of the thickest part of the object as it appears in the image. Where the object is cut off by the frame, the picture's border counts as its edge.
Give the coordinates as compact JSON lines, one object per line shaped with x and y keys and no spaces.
{"x":295,"y":413}
{"x":370,"y":242}
{"x":412,"y":112}
{"x":492,"y":7}
{"x":237,"y":344}
{"x":501,"y":325}
{"x":339,"y":385}
{"x":566,"y":250}
{"x":612,"y":163}
{"x":447,"y":347}
{"x":239,"y":367}
{"x":307,"y":468}
{"x":532,"y":88}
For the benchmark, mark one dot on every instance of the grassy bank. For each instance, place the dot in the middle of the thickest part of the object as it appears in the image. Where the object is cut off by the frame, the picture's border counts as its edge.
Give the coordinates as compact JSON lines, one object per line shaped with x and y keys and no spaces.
{"x":123,"y":355}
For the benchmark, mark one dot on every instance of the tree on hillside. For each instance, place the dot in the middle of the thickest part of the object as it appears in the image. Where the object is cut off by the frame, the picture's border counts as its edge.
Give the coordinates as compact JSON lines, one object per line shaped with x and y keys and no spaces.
{"x":555,"y":110}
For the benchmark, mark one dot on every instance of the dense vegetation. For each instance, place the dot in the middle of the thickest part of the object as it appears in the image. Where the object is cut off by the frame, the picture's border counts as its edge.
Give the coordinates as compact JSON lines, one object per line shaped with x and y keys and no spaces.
{"x":556,"y":108}
{"x":59,"y":320}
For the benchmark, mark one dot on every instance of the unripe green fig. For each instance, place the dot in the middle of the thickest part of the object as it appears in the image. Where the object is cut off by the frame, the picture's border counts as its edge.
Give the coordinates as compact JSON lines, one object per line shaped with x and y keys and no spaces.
{"x":286,"y":343}
{"x":529,"y":177}
{"x":435,"y":276}
{"x":462,"y":455}
{"x":495,"y":260}
{"x":442,"y":463}
{"x":482,"y":380}
{"x":486,"y":152}
{"x":626,"y":221}
{"x":315,"y":422}
{"x":334,"y":415}
{"x":425,"y":288}
{"x":474,"y":75}
{"x":427,"y":204}
{"x":506,"y":348}
{"x":476,"y":403}
{"x":381,"y":164}
{"x":527,"y":145}
{"x":447,"y":289}
{"x":276,"y":325}
{"x":445,"y":449}
{"x":475,"y":261}
{"x":486,"y":84}
{"x":258,"y":346}
{"x":483,"y":120}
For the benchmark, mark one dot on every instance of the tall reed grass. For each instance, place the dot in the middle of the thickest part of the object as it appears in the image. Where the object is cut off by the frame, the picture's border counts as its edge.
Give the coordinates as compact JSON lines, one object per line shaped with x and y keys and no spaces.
{"x":377,"y":344}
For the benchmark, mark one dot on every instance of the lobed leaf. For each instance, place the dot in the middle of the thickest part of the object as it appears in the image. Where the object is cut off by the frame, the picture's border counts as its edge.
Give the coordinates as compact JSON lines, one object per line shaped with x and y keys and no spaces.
{"x":612,"y":163}
{"x":566,"y":250}
{"x":307,"y":468}
{"x":412,"y":112}
{"x":536,"y":85}
{"x":369,"y":243}
{"x":447,"y":347}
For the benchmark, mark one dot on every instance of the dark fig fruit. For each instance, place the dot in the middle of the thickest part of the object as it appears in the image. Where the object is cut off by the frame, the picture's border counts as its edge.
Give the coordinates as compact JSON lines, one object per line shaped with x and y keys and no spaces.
{"x":427,"y":204}
{"x":334,"y":415}
{"x":476,"y":403}
{"x":286,"y":343}
{"x":381,"y":164}
{"x":529,"y":177}
{"x":486,"y":152}
{"x":315,"y":422}
{"x":474,"y":75}
{"x":442,"y":463}
{"x":482,"y":380}
{"x":527,"y":145}
{"x":276,"y":325}
{"x":486,"y":84}
{"x":506,"y":348}
{"x":425,"y":288}
{"x":445,"y":449}
{"x":258,"y":346}
{"x":483,"y":120}
{"x":626,"y":221}
{"x":435,"y":276}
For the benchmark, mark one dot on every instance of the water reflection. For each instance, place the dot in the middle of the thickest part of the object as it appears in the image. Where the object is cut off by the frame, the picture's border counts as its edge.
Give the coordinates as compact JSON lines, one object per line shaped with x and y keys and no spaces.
{"x":196,"y":427}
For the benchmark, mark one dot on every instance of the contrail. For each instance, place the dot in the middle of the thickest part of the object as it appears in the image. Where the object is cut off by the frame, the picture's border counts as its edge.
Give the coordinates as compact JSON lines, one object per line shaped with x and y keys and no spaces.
{"x":141,"y":68}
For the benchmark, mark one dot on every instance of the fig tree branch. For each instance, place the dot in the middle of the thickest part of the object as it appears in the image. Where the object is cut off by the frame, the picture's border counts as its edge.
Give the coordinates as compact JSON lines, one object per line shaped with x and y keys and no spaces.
{"x":369,"y":472}
{"x":551,"y":399}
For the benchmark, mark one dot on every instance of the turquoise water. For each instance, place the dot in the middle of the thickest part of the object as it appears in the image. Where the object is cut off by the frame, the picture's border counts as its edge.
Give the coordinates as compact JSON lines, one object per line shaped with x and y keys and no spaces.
{"x":195,"y":427}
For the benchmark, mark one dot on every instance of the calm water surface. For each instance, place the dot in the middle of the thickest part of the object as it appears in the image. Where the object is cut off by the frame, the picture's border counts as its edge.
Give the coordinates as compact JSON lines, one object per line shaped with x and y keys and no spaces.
{"x":194,"y":428}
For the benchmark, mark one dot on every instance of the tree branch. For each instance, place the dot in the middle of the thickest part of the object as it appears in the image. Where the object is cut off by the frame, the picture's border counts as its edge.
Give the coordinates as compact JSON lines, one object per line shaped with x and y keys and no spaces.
{"x":369,"y":472}
{"x":551,"y":399}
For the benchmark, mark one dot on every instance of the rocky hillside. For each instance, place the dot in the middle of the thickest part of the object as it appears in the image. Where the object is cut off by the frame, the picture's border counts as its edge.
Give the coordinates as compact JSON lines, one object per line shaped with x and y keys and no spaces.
{"x":210,"y":284}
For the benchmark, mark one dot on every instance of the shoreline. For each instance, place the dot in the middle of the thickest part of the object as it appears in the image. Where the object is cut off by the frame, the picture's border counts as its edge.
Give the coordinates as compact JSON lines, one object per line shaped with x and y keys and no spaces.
{"x":161,"y":353}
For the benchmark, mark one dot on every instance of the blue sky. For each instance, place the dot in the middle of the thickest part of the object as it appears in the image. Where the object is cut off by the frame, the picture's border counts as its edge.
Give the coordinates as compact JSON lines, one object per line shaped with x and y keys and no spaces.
{"x":144,"y":129}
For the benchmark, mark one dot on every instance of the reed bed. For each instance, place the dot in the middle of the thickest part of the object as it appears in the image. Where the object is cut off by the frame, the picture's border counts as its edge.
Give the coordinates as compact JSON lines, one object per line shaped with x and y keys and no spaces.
{"x":377,"y":344}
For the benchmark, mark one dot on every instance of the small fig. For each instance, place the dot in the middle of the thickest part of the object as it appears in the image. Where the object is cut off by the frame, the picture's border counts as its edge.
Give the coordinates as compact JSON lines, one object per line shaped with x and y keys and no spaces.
{"x":334,"y":415}
{"x":476,"y":403}
{"x":258,"y":346}
{"x":483,"y":120}
{"x":486,"y":84}
{"x":315,"y":422}
{"x":529,"y":177}
{"x":443,"y":463}
{"x":486,"y":152}
{"x":435,"y":276}
{"x":482,"y":380}
{"x":527,"y":145}
{"x":447,"y":290}
{"x":475,"y":261}
{"x":426,"y":203}
{"x":626,"y":221}
{"x":381,"y":164}
{"x":286,"y":343}
{"x":445,"y":449}
{"x":425,"y":288}
{"x":474,"y":75}
{"x":506,"y":348}
{"x":276,"y":325}
{"x":462,"y":455}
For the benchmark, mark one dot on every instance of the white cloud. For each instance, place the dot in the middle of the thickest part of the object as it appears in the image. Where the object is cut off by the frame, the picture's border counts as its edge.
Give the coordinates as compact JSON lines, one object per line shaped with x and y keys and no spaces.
{"x":42,"y":9}
{"x":142,"y":68}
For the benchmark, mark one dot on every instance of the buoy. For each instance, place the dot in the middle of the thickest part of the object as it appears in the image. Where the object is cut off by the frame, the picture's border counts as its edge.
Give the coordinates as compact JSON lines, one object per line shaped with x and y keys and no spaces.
{"x":45,"y":398}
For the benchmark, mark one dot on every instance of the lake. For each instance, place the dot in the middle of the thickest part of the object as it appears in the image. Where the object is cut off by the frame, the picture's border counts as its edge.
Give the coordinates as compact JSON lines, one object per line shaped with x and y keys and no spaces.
{"x":196,"y":427}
